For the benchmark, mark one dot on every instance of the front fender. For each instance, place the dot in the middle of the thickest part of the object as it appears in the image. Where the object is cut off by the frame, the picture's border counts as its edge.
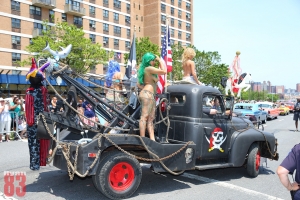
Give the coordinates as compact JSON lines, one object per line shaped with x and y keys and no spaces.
{"x":242,"y":140}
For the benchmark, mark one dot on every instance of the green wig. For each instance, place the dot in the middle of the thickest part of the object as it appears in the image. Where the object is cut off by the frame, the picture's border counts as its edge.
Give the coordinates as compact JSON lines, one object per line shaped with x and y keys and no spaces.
{"x":147,"y":58}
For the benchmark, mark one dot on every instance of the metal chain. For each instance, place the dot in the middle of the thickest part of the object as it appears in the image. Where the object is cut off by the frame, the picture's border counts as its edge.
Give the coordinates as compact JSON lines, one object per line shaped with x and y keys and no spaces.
{"x":249,"y":127}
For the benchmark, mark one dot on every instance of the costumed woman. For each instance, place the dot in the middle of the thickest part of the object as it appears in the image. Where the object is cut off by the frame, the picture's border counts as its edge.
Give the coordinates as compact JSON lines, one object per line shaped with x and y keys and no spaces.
{"x":114,"y":76}
{"x":147,"y":78}
{"x":36,"y":102}
{"x":189,"y":71}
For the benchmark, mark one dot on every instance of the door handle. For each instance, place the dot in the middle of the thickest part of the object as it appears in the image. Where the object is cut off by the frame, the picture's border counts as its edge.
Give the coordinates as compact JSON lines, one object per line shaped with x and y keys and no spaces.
{"x":207,"y":127}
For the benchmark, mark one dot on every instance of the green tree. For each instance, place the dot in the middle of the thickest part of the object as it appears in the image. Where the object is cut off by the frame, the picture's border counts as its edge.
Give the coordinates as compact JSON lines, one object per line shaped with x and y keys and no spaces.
{"x":177,"y":51}
{"x":84,"y":53}
{"x":143,"y":45}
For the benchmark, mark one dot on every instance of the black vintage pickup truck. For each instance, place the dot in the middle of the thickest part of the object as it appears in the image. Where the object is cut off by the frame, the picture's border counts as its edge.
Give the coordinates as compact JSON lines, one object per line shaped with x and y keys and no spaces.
{"x":188,"y":139}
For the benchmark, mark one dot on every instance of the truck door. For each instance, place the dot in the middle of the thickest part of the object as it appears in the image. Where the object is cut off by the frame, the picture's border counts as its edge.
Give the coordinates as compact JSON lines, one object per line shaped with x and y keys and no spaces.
{"x":214,"y":128}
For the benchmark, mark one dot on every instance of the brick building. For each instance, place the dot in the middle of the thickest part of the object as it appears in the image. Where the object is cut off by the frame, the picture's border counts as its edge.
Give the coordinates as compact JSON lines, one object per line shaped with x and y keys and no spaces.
{"x":108,"y":22}
{"x":298,"y":87}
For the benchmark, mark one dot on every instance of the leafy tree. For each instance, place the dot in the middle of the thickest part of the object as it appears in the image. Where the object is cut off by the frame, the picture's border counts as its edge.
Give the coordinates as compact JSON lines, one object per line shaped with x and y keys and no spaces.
{"x":143,"y":45}
{"x":84,"y":53}
{"x":177,"y":51}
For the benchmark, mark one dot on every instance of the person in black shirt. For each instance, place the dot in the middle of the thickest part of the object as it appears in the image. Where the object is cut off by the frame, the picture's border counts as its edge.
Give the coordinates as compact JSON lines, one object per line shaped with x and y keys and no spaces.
{"x":288,"y":166}
{"x":297,"y":113}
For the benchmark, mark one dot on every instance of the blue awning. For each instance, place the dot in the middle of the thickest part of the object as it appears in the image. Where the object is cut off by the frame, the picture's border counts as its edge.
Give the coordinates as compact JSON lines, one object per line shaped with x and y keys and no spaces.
{"x":21,"y":80}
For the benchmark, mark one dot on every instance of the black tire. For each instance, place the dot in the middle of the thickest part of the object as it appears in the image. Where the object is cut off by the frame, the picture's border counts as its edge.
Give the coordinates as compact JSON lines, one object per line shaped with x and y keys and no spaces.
{"x":114,"y":167}
{"x":253,"y":161}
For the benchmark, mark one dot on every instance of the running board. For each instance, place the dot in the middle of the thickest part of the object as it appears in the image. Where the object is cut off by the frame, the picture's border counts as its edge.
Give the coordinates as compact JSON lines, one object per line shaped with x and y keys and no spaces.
{"x":213,"y":166}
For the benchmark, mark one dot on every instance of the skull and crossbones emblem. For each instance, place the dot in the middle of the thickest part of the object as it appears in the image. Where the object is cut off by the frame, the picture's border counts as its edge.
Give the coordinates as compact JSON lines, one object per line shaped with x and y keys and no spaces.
{"x":216,"y":139}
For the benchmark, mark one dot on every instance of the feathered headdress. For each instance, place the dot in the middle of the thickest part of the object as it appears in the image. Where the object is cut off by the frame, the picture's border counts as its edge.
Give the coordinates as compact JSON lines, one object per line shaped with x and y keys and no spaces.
{"x":113,"y":67}
{"x":35,"y":72}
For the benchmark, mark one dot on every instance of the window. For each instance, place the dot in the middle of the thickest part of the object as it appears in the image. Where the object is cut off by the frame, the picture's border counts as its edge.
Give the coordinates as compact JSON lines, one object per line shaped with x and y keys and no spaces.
{"x":172,"y":42}
{"x":127,"y":44}
{"x":38,"y":26}
{"x":105,"y":40}
{"x":141,"y":18}
{"x":117,"y":29}
{"x":172,"y":21}
{"x":35,"y":10}
{"x":163,"y":19}
{"x":64,"y":17}
{"x":116,"y":16}
{"x":139,"y":29}
{"x":163,"y":29}
{"x":77,"y":20}
{"x":93,"y":38}
{"x":15,"y":5}
{"x":51,"y":16}
{"x":92,"y":24}
{"x":105,"y":27}
{"x":105,"y":2}
{"x":172,"y":2}
{"x":116,"y":42}
{"x":188,"y":6}
{"x":15,"y":23}
{"x":179,"y":24}
{"x":211,"y":101}
{"x":137,"y":17}
{"x":16,"y":57}
{"x":179,"y":13}
{"x":188,"y":36}
{"x":179,"y":34}
{"x":117,"y":4}
{"x":128,"y":7}
{"x":172,"y":11}
{"x":15,"y":40}
{"x":139,"y":7}
{"x":127,"y":19}
{"x":128,"y":33}
{"x":163,"y":7}
{"x":92,"y":10}
{"x":188,"y":16}
{"x":172,"y":32}
{"x":75,"y":5}
{"x":179,"y":3}
{"x":105,"y":13}
{"x":188,"y":26}
{"x":177,"y":98}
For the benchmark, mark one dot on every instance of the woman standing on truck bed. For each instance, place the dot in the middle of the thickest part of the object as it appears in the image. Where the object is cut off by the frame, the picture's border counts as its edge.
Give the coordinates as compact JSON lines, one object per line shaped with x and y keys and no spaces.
{"x":189,"y":71}
{"x":147,"y":78}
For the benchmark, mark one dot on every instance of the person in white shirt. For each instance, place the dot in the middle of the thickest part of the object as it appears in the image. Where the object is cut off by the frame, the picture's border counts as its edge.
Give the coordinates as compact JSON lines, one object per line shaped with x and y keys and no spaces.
{"x":5,"y":119}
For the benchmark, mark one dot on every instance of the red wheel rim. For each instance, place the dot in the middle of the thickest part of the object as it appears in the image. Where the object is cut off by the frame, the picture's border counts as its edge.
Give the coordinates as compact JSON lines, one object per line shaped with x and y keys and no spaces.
{"x":257,"y":161}
{"x":121,"y":176}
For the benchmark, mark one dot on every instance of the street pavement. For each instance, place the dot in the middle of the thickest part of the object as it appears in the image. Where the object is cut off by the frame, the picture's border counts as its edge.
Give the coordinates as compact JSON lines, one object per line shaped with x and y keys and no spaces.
{"x":230,"y":183}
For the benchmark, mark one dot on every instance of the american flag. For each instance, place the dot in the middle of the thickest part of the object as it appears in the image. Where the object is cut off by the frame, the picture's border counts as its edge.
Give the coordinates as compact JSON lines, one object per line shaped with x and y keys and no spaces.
{"x":166,"y":57}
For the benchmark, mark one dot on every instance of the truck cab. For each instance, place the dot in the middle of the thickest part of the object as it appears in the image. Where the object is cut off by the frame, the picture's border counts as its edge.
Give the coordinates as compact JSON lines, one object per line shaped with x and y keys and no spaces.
{"x":221,"y":140}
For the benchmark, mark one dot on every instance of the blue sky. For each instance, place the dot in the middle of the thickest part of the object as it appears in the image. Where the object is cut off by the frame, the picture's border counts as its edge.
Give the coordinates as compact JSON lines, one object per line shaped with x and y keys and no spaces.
{"x":266,"y":32}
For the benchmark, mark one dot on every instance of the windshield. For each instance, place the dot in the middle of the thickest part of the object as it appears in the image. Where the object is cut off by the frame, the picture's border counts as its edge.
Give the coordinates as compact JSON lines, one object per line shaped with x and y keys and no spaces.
{"x":265,"y":105}
{"x":243,"y":107}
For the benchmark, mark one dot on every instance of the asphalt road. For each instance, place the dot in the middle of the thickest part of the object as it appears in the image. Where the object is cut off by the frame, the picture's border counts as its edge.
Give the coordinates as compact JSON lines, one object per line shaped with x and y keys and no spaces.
{"x":233,"y":183}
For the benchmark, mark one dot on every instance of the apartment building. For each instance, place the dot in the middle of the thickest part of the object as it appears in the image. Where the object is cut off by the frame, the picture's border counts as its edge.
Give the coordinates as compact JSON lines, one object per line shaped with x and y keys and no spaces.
{"x":108,"y":22}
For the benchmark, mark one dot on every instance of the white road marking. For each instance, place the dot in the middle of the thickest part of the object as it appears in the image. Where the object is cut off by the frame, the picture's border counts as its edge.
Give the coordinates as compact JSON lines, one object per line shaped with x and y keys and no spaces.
{"x":230,"y":186}
{"x":281,"y":120}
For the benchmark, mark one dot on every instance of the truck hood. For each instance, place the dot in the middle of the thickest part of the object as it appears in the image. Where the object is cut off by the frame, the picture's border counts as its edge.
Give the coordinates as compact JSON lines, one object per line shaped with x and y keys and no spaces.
{"x":241,"y":122}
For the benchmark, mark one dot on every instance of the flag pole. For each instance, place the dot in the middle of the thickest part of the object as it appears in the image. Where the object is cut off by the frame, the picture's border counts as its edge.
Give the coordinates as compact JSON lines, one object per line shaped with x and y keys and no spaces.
{"x":167,"y":33}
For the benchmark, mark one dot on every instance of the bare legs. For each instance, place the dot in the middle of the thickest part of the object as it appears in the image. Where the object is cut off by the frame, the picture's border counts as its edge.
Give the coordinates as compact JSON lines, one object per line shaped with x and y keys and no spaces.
{"x":147,"y":114}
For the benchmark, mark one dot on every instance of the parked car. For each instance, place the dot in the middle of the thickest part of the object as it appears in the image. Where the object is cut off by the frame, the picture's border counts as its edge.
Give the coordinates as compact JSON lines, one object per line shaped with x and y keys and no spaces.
{"x":284,"y":110}
{"x":270,"y":108}
{"x":249,"y":110}
{"x":290,"y":105}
